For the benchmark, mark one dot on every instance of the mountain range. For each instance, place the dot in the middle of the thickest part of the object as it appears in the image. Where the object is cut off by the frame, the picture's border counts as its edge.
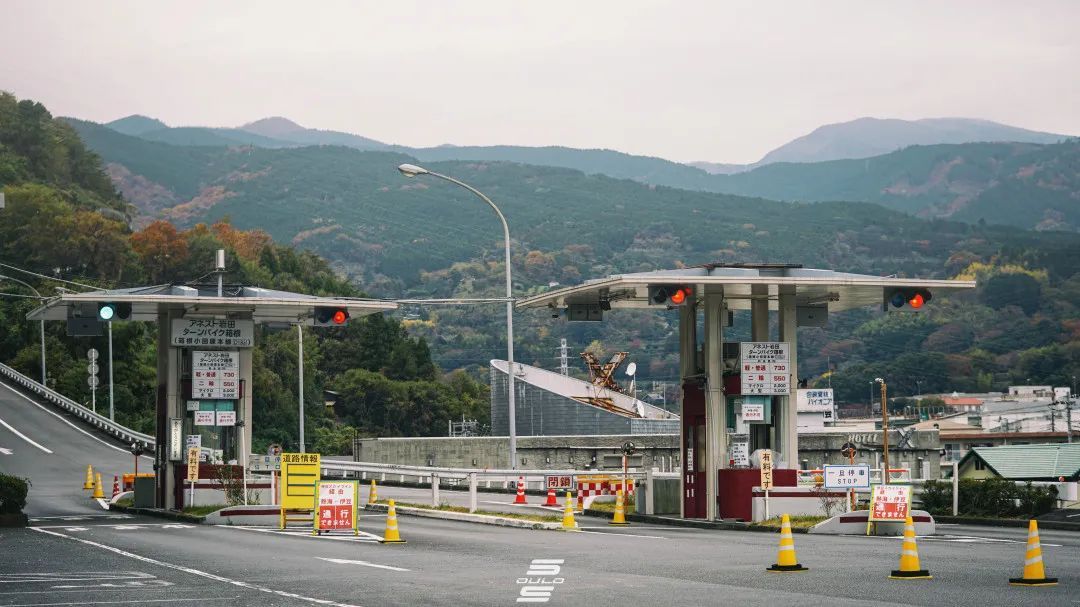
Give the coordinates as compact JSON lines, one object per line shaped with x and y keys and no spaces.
{"x":970,"y":170}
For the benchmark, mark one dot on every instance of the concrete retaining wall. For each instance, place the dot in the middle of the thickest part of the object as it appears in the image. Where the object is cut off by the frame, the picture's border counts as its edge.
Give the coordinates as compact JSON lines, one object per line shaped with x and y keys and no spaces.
{"x":854,"y":523}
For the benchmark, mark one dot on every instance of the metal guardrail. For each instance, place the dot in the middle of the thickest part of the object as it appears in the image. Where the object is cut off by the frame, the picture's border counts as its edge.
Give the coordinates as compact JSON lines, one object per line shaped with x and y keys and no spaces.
{"x":104,"y":424}
{"x":452,"y":475}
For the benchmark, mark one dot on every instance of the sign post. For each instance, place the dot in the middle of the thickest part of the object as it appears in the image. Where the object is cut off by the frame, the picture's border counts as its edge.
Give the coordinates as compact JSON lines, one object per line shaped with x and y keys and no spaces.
{"x":766,"y":477}
{"x":192,"y":471}
{"x":92,"y":378}
{"x":336,"y":508}
{"x":848,"y":450}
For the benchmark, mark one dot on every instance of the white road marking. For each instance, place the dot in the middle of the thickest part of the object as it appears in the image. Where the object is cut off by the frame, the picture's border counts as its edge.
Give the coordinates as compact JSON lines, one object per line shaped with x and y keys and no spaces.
{"x":364,"y":563}
{"x":963,"y":539}
{"x":101,"y":502}
{"x":73,"y":576}
{"x":79,"y":517}
{"x":364,"y":535}
{"x":619,"y":533}
{"x":61,"y":418}
{"x":125,"y":527}
{"x":224,"y":598}
{"x":21,"y":435}
{"x":6,"y":451}
{"x":203,"y":574}
{"x":74,"y":528}
{"x":130,"y":584}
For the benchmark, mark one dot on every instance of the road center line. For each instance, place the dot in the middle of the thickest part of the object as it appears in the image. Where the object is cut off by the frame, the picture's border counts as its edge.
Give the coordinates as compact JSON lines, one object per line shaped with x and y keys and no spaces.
{"x":363,"y":563}
{"x":209,"y":576}
{"x":23,"y":436}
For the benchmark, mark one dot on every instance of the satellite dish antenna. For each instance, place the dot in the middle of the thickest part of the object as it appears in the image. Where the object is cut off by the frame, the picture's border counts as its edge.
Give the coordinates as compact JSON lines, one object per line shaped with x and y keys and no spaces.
{"x":631,"y":369}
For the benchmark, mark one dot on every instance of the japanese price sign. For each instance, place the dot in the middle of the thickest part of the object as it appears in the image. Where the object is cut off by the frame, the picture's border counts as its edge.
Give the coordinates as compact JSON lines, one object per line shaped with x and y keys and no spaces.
{"x":766,"y":469}
{"x":815,"y":400}
{"x":890,"y":502}
{"x":337,"y":506}
{"x":765,"y":368}
{"x":847,"y":477}
{"x":215,"y":375}
{"x":564,"y":482}
{"x":299,"y":474}
{"x":191,"y":332}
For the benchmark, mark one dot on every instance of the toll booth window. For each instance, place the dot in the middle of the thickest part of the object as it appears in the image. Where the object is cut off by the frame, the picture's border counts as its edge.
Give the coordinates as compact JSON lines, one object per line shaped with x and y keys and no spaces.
{"x":699,"y":449}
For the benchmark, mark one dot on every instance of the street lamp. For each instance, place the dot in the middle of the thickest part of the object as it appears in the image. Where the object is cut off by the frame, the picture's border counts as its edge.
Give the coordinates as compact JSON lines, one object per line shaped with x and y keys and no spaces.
{"x":2,"y":277}
{"x":411,"y":170}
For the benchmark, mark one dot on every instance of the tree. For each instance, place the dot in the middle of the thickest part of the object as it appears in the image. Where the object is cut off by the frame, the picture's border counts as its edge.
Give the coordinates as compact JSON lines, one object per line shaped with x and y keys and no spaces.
{"x":1013,"y":289}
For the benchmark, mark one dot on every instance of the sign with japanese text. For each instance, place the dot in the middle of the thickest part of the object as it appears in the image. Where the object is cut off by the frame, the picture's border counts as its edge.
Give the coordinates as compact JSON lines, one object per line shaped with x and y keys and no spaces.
{"x":205,"y":418}
{"x":192,"y":332}
{"x":564,"y":482}
{"x":226,"y":418}
{"x":215,"y":374}
{"x":193,"y":440}
{"x":740,"y":454}
{"x":753,"y":412}
{"x":890,"y":502}
{"x":336,"y":506}
{"x":299,"y":474}
{"x":847,"y":477}
{"x":263,"y":463}
{"x":193,"y":464}
{"x":766,"y":469}
{"x":765,"y":368}
{"x":814,"y":400}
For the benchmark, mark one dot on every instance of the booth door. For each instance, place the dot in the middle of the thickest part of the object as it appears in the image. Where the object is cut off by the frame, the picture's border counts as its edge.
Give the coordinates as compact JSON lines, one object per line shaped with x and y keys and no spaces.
{"x":694,"y":454}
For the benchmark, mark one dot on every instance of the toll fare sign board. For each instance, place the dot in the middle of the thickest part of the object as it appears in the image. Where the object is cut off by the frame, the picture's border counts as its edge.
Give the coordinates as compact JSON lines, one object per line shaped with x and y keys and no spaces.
{"x":766,"y":367}
{"x":337,"y":506}
{"x":890,"y":503}
{"x":565,"y":482}
{"x":847,"y":477}
{"x":215,"y":375}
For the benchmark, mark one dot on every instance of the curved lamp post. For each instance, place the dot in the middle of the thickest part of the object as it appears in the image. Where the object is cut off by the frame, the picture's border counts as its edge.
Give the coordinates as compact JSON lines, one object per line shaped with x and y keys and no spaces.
{"x":2,"y":277}
{"x":411,"y":170}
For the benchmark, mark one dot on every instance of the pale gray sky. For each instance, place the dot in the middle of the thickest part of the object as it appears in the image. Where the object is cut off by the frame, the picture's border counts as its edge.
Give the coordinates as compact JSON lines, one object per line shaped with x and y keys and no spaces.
{"x":719,"y":81}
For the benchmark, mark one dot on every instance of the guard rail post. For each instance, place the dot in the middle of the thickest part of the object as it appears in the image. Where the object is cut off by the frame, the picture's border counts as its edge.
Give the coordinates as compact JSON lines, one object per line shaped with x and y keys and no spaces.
{"x":472,"y":492}
{"x":434,"y":490}
{"x":956,"y":488}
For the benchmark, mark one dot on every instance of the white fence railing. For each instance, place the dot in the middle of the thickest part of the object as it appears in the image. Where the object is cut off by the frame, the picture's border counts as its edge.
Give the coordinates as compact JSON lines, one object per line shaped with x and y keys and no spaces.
{"x":104,"y":424}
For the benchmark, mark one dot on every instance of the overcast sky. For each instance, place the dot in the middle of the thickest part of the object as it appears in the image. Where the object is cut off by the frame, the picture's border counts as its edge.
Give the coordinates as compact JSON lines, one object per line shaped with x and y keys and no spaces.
{"x":711,"y":80}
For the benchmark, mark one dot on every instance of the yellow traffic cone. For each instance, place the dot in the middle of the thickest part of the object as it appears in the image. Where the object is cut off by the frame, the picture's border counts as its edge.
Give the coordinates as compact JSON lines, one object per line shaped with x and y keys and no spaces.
{"x":785,"y":557}
{"x":909,"y":557}
{"x":392,"y":536}
{"x":1034,"y":574}
{"x":620,"y":510}
{"x":89,"y":483}
{"x":98,"y":493}
{"x":373,"y":493}
{"x":568,"y":523}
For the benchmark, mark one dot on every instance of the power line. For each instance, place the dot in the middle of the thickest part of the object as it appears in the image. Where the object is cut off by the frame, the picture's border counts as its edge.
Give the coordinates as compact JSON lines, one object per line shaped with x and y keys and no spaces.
{"x":70,"y":282}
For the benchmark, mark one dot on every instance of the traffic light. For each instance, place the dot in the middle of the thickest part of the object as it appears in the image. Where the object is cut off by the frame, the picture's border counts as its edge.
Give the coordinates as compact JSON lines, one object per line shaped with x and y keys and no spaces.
{"x":908,"y":299}
{"x":331,"y":317}
{"x":670,"y":295}
{"x":108,"y":311}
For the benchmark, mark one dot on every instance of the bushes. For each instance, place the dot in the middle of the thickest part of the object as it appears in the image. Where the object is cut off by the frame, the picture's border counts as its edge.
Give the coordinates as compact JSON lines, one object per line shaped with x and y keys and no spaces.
{"x":992,"y":497}
{"x":13,"y":493}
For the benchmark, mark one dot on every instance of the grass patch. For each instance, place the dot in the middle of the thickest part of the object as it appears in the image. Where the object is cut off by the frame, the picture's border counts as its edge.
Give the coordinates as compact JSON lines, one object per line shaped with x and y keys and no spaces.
{"x":203,"y":510}
{"x":610,"y":506}
{"x":126,"y":501}
{"x":539,"y":518}
{"x":802,"y":522}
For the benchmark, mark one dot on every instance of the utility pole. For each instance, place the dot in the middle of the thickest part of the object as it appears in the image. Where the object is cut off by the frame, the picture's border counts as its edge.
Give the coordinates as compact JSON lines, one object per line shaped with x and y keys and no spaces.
{"x":884,"y":432}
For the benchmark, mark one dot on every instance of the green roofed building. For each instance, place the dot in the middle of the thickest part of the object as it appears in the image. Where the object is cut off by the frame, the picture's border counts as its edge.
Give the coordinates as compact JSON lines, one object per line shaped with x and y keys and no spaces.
{"x":1051,"y":462}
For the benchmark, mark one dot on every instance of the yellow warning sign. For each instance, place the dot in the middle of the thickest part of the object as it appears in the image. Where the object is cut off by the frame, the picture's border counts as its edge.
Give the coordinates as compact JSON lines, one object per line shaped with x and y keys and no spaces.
{"x":299,"y":474}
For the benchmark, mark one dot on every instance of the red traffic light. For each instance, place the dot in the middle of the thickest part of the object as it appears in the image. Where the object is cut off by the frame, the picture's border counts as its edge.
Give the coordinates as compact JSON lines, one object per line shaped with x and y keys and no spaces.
{"x":331,"y":317}
{"x":907,"y":298}
{"x":340,"y":316}
{"x":670,"y":295}
{"x":916,"y":300}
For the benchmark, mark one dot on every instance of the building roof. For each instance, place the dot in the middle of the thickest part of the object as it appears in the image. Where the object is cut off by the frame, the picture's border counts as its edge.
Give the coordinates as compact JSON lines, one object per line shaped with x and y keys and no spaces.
{"x":945,"y":425}
{"x":266,"y":305}
{"x":962,"y":402}
{"x":1031,"y":462}
{"x":837,"y":290}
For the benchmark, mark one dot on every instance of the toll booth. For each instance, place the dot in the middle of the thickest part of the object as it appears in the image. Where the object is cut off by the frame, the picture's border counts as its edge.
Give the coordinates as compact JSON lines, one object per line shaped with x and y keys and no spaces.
{"x":738,"y":397}
{"x":206,"y":333}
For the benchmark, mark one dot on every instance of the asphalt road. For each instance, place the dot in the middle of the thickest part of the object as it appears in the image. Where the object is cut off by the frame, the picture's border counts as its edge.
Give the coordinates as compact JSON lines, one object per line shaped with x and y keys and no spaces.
{"x":76,"y":553}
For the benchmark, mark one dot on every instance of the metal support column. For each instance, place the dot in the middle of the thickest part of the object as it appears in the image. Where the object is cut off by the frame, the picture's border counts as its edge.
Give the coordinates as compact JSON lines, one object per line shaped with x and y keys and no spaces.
{"x":788,"y":433}
{"x":715,"y":424}
{"x":687,"y":368}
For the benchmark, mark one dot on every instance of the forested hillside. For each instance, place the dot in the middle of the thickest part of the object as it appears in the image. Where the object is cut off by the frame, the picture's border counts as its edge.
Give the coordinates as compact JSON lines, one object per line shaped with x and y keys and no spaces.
{"x":63,"y":219}
{"x":422,"y":238}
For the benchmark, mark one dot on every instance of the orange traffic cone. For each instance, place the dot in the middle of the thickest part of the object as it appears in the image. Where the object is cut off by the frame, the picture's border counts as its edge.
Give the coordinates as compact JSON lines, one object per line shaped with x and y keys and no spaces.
{"x":620,"y":510}
{"x":909,"y":557}
{"x":785,"y":557}
{"x":1034,"y":574}
{"x":392,"y":536}
{"x":89,"y":483}
{"x":568,"y":523}
{"x":98,"y":493}
{"x":552,"y":500}
{"x":115,"y":486}
{"x":520,"y":499}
